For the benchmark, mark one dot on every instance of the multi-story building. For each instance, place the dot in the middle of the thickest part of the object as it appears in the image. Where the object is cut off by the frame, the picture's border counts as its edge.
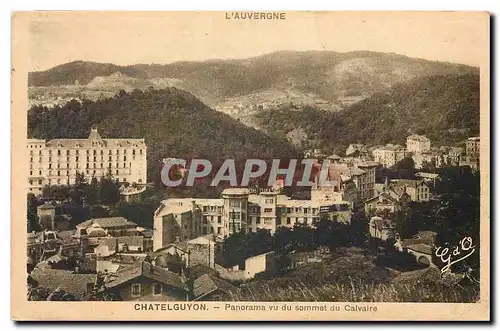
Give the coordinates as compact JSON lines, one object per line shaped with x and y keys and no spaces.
{"x":58,"y":161}
{"x":367,"y":182}
{"x":417,"y":144}
{"x":472,"y":153}
{"x":239,"y":209}
{"x":389,"y":155}
{"x":418,"y":190}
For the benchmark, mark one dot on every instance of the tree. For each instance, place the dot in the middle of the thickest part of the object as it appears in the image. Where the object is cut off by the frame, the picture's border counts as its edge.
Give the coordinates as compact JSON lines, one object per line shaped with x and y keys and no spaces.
{"x":32,"y":220}
{"x":109,"y":192}
{"x":458,"y":212}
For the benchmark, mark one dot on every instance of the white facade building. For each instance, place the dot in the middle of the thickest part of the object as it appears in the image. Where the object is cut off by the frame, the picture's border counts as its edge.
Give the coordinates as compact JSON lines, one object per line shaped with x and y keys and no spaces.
{"x":389,"y":155}
{"x":417,"y":144}
{"x":57,"y":161}
{"x":239,"y":209}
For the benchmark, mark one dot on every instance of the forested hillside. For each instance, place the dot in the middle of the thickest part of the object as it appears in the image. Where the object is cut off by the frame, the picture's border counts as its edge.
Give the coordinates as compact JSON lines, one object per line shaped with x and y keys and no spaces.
{"x":173,"y":122}
{"x":445,"y":108}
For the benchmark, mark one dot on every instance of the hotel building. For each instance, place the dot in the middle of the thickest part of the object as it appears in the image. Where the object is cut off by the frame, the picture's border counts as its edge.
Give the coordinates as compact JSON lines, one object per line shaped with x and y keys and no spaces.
{"x":57,"y":161}
{"x":239,"y":209}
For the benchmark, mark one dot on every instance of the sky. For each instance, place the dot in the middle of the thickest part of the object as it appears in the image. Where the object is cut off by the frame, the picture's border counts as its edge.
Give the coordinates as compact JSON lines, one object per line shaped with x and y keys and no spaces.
{"x":129,"y":38}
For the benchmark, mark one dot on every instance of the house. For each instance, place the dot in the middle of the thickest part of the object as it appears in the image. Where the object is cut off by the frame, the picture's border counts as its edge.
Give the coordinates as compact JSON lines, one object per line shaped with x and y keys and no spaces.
{"x":145,"y":282}
{"x":259,"y":263}
{"x":381,"y":228}
{"x":197,"y":251}
{"x":418,"y":190}
{"x":106,"y":227}
{"x":389,"y":155}
{"x":417,"y":143}
{"x":202,"y":251}
{"x":386,"y":201}
{"x":110,"y":246}
{"x":111,"y":253}
{"x":428,"y":177}
{"x":210,"y":288}
{"x":78,"y":285}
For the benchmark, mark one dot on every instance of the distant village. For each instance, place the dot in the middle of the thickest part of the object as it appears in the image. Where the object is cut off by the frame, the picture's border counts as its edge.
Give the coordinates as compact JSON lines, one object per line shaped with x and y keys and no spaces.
{"x":113,"y":258}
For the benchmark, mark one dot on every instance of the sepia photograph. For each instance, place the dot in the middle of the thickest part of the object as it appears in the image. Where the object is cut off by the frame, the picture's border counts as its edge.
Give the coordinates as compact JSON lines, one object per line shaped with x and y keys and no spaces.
{"x":246,"y":165}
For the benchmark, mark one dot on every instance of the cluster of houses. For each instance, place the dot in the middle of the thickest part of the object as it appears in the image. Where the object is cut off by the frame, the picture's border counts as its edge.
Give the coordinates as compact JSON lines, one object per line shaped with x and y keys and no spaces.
{"x":419,"y":148}
{"x":115,"y":255}
{"x":177,"y":259}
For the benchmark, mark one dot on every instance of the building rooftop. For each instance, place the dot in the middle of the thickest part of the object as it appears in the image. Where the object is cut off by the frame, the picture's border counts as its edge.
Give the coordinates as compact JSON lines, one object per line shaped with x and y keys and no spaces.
{"x":421,"y":248}
{"x":107,"y":222}
{"x":66,"y":280}
{"x":418,"y":137}
{"x":207,"y":284}
{"x":236,"y":191}
{"x":147,"y":270}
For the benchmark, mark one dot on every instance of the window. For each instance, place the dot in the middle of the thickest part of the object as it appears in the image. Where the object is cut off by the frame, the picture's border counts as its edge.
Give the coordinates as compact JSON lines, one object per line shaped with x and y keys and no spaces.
{"x":156,"y":289}
{"x":268,"y":210}
{"x":234,"y":204}
{"x":135,"y":290}
{"x":58,"y":152}
{"x":288,"y":220}
{"x":257,"y":221}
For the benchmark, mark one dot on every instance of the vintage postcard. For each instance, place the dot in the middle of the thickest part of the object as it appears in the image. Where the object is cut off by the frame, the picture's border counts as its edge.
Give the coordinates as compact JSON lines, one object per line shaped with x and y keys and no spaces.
{"x":250,"y":166}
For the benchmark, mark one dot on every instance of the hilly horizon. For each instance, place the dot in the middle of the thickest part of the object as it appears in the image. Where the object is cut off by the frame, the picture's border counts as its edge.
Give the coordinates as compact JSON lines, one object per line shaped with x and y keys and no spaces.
{"x":443,"y":107}
{"x":325,"y":79}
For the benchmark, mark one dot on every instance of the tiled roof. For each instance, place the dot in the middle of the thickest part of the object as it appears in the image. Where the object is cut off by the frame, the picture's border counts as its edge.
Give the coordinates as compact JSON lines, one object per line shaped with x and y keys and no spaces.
{"x":418,"y":137}
{"x":207,"y":284}
{"x":114,"y":241}
{"x":107,"y":222}
{"x":421,"y":248}
{"x":66,"y":280}
{"x":146,"y":270}
{"x":180,"y":245}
